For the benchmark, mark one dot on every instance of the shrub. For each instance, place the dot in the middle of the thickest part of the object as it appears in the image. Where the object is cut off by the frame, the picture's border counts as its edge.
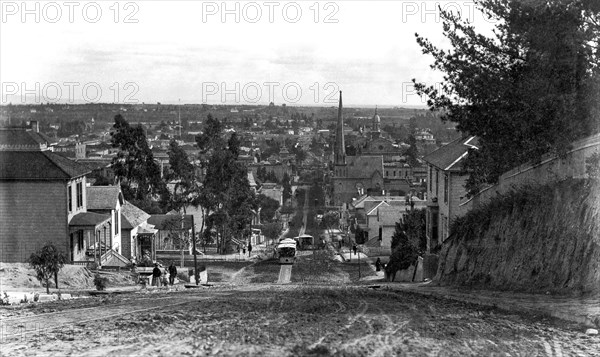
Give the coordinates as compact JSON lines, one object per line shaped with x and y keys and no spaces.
{"x":183,"y":276}
{"x":100,"y":282}
{"x":47,"y":262}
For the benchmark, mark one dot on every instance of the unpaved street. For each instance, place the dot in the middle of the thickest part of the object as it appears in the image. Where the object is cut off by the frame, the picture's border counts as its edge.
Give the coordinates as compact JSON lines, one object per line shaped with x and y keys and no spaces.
{"x":265,"y":319}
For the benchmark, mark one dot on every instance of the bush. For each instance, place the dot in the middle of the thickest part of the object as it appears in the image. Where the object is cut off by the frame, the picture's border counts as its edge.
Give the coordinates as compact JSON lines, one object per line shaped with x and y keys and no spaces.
{"x":47,"y":262}
{"x":183,"y":276}
{"x":100,"y":282}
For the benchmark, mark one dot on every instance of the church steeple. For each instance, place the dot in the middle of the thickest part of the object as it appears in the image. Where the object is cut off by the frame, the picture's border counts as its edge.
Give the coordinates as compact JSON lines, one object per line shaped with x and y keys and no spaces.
{"x":340,"y":149}
{"x":375,"y":125}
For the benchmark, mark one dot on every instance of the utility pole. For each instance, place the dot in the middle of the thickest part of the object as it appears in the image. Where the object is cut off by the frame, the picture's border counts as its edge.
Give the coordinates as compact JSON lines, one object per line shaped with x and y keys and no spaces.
{"x":194,"y":248}
{"x":358,"y":253}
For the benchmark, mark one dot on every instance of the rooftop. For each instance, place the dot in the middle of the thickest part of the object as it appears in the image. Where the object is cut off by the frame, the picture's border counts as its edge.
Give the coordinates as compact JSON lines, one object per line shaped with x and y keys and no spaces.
{"x":448,"y":156}
{"x":103,"y":197}
{"x":38,"y":165}
{"x":132,"y":216}
{"x":19,"y":139}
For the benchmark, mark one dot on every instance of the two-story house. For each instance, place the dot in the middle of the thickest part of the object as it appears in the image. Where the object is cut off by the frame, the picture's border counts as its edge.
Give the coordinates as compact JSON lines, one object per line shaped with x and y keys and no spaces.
{"x":42,"y":199}
{"x":108,"y":200}
{"x":446,"y":193}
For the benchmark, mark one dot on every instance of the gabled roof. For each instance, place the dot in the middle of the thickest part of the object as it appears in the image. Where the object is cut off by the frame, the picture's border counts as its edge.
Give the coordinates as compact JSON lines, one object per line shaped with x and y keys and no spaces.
{"x":132,"y":216}
{"x":448,"y":156}
{"x":166,"y":221}
{"x":88,"y":219}
{"x":373,"y":211}
{"x":18,"y":139}
{"x":38,"y":165}
{"x":103,"y":197}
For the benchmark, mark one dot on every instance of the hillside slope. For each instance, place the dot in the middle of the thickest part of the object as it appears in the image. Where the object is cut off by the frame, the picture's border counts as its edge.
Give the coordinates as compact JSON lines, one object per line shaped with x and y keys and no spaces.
{"x":536,"y":239}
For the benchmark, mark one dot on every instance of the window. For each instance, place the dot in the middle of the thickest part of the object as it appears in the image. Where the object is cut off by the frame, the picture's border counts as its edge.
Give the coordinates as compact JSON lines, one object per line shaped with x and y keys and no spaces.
{"x":394,"y":173}
{"x":117,"y":222}
{"x":70,"y":197}
{"x":437,"y":182}
{"x":79,"y":194}
{"x":387,"y":173}
{"x":446,"y":188}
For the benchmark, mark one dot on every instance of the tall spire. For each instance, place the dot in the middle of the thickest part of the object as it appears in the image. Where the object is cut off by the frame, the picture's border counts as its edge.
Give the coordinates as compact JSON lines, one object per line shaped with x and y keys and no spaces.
{"x":375,"y":125}
{"x":340,"y":149}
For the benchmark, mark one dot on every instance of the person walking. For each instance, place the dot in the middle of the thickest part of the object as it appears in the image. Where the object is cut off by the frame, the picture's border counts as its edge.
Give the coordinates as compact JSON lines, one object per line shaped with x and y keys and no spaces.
{"x":354,"y":248}
{"x":172,"y":273}
{"x":156,"y":273}
{"x":249,"y":249}
{"x":378,"y":264}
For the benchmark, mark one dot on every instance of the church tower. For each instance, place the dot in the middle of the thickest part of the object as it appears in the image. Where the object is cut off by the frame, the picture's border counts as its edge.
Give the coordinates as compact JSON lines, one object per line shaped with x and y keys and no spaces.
{"x":339,"y":148}
{"x":340,"y":170}
{"x":376,"y":126}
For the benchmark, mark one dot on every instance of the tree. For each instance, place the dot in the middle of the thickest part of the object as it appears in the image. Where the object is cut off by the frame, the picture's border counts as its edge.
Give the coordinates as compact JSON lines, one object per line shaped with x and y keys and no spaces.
{"x":182,"y":175}
{"x":408,"y":242}
{"x":134,"y":164}
{"x":47,"y":262}
{"x":360,"y":236}
{"x":330,"y":220}
{"x":532,"y":88}
{"x":225,"y":190}
{"x":272,"y":230}
{"x":268,"y":207}
{"x":211,"y":137}
{"x":175,"y":225}
{"x":287,"y":187}
{"x":234,"y":144}
{"x":185,"y":186}
{"x":412,"y":152}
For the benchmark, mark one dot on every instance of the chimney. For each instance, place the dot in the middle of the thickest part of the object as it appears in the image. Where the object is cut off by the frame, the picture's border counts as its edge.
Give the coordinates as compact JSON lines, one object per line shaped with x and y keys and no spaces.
{"x":35,"y":125}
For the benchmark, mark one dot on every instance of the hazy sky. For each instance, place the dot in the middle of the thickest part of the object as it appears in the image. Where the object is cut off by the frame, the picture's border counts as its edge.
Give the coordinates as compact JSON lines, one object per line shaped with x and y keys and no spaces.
{"x":299,"y":52}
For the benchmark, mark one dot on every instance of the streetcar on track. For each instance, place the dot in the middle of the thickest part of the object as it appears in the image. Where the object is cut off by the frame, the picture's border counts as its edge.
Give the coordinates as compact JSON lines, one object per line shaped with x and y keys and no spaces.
{"x":286,"y":251}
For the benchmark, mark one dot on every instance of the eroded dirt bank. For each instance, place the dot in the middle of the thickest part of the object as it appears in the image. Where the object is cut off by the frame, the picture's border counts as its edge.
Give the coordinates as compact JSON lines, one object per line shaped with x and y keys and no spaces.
{"x":537,"y":240}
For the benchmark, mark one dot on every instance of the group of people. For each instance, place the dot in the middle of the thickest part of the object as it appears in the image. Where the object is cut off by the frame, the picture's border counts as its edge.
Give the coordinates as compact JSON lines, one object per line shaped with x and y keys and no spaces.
{"x":249,"y":249}
{"x":157,"y":274}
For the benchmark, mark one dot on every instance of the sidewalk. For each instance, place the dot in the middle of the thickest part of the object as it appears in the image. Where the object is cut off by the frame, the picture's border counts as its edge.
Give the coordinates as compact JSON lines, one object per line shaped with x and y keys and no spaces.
{"x":585,"y":311}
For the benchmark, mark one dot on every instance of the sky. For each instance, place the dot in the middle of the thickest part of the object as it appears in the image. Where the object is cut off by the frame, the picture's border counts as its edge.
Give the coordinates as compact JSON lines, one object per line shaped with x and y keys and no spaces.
{"x":234,"y":52}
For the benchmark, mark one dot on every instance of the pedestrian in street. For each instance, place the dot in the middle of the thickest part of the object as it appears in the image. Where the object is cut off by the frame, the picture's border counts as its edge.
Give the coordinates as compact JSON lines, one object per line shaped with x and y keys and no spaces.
{"x":249,"y":249}
{"x":378,"y":264}
{"x":156,"y":273}
{"x":354,"y":248}
{"x":172,"y":273}
{"x":244,"y":251}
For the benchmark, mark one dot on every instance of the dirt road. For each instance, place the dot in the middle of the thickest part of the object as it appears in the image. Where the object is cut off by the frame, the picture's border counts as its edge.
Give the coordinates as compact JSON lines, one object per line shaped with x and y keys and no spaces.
{"x":267,"y":319}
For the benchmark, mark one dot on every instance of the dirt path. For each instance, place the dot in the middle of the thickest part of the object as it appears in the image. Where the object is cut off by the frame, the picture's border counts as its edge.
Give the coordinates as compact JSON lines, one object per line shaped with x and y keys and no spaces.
{"x":56,"y":320}
{"x":289,"y":320}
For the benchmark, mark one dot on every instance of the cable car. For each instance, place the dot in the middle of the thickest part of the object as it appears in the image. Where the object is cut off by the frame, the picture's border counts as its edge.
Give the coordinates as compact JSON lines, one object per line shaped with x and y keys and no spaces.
{"x":286,"y":251}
